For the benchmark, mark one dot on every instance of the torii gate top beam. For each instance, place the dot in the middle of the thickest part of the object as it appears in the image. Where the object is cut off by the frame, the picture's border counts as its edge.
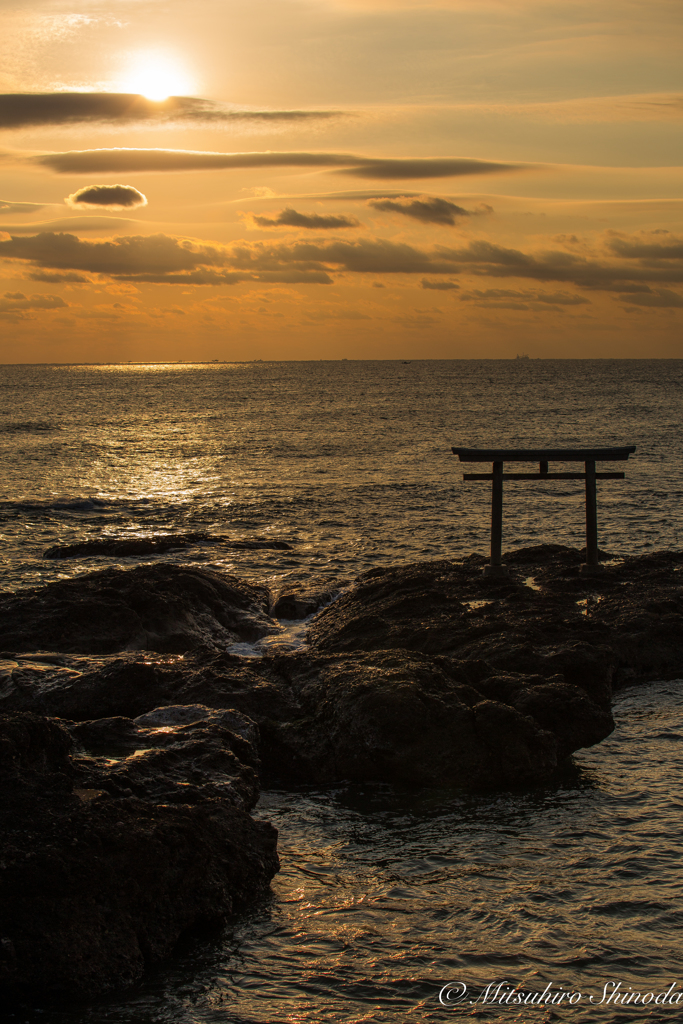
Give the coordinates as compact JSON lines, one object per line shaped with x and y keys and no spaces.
{"x":544,"y":454}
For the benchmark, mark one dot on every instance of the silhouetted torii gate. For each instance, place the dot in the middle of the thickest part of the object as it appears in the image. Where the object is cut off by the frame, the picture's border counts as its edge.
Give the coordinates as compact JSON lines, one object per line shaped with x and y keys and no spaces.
{"x":589,"y":456}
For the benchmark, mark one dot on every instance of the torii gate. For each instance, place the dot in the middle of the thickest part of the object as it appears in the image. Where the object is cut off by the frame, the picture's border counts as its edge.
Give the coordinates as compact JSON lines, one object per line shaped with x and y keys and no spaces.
{"x":498,"y":456}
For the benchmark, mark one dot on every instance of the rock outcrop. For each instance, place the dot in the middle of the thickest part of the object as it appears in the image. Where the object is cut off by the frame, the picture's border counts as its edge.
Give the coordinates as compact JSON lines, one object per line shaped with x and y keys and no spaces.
{"x":150,"y":607}
{"x":119,"y":836}
{"x":132,"y":731}
{"x":393,"y":716}
{"x":623,"y":624}
{"x":429,"y":673}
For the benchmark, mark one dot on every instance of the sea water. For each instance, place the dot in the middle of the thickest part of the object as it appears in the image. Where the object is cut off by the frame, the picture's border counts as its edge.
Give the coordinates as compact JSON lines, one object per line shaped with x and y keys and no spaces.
{"x":349,"y":462}
{"x":389,"y":900}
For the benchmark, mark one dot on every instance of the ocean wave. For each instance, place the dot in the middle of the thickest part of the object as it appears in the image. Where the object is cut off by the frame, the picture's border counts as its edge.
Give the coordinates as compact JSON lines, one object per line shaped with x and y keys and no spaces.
{"x":84,"y":504}
{"x":28,"y":427}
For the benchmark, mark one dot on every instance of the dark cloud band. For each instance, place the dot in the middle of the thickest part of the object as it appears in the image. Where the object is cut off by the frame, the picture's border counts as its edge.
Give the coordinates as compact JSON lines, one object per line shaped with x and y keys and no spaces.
{"x":115,"y":161}
{"x":166,"y":259}
{"x":24,"y":110}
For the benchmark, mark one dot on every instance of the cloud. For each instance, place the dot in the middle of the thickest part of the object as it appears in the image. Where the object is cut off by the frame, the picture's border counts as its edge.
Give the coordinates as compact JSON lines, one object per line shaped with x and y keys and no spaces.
{"x":290,"y":218}
{"x":436,"y":167}
{"x":439,"y":286}
{"x":284,"y":276}
{"x":503,"y":294}
{"x":365,"y":256}
{"x":125,"y":255}
{"x":156,"y":259}
{"x":6,"y":207}
{"x":102,"y":225}
{"x":15,"y":303}
{"x":115,"y":197}
{"x":357,"y":194}
{"x":621,"y":108}
{"x":662,"y":298}
{"x":642,"y":247}
{"x":23,"y":110}
{"x":490,"y":260}
{"x":428,"y":209}
{"x":53,"y":278}
{"x":170,"y":260}
{"x":130,"y":161}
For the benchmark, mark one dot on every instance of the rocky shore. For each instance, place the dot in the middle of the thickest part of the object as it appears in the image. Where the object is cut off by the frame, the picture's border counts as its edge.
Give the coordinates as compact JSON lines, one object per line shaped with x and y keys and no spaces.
{"x":140,"y":707}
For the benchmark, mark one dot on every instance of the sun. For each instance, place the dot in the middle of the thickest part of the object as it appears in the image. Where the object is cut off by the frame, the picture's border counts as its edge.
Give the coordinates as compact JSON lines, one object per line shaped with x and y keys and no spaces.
{"x":156,"y":76}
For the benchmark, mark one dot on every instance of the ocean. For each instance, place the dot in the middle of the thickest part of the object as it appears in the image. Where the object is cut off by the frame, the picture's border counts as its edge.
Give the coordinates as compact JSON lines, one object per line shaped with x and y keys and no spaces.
{"x":386,"y":897}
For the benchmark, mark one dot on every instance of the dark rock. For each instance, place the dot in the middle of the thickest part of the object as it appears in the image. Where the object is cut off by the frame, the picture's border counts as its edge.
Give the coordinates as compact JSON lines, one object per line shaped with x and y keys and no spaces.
{"x":399,"y":717}
{"x":150,"y":607}
{"x":125,"y":822}
{"x":623,"y":624}
{"x":395,"y":716}
{"x":106,"y":860}
{"x":543,"y":554}
{"x":124,"y":547}
{"x":177,"y":754}
{"x":405,"y":667}
{"x":299,"y":604}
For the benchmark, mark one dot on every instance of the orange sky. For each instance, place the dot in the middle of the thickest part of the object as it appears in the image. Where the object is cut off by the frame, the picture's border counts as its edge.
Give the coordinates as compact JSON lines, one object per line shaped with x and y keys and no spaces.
{"x":342,"y":178}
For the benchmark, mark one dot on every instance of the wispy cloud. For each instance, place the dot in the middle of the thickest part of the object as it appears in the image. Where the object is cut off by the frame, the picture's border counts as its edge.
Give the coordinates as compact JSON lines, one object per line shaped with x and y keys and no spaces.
{"x":101,"y":225}
{"x":506,"y":298}
{"x":439,"y":286}
{"x":268,"y":195}
{"x":7,"y":207}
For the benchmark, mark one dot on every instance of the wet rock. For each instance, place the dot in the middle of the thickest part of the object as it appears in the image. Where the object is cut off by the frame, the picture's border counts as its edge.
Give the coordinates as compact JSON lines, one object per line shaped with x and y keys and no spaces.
{"x":428,"y":673}
{"x":398,"y":717}
{"x":299,"y":604}
{"x":177,"y":754}
{"x":124,"y":547}
{"x":393,"y":716}
{"x":150,"y":607}
{"x":108,"y":855}
{"x":624,"y":624}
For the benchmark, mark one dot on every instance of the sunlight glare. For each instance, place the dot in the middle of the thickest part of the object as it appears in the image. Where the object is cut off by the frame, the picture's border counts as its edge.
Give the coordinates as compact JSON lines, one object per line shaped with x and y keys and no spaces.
{"x":156,"y":76}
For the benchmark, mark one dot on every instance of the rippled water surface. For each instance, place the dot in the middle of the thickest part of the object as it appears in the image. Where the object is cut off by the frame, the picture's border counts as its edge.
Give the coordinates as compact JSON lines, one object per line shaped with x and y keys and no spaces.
{"x":348,"y":461}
